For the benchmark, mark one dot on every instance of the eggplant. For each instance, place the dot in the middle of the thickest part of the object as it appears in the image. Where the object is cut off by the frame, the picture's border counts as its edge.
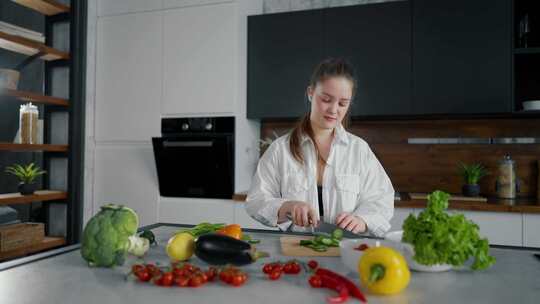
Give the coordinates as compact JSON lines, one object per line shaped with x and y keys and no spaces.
{"x":218,"y":249}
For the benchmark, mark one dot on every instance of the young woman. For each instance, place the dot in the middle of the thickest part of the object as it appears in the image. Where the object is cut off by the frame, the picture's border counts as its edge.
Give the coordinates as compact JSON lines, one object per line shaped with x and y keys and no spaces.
{"x":320,"y":171}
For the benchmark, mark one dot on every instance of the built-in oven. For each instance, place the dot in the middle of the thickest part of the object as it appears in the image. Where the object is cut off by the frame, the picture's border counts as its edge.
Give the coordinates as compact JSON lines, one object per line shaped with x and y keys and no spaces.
{"x":195,"y":157}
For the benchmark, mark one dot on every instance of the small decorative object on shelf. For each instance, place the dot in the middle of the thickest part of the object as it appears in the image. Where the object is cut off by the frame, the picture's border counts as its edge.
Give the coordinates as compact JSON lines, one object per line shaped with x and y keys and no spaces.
{"x":28,"y":124}
{"x":507,"y":184}
{"x":27,"y":176}
{"x":471,"y":175}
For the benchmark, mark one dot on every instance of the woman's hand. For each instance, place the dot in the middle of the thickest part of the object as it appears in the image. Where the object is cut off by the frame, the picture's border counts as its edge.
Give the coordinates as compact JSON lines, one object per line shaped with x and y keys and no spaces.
{"x":302,"y":214}
{"x":350,"y":223}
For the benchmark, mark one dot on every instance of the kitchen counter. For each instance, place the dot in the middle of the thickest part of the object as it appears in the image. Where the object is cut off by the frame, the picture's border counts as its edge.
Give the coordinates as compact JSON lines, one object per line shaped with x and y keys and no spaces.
{"x":66,"y":278}
{"x":520,"y":205}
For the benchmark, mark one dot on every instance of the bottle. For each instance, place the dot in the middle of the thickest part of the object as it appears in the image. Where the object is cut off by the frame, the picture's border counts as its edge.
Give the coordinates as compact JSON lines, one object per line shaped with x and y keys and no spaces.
{"x":28,"y":123}
{"x":507,"y":185}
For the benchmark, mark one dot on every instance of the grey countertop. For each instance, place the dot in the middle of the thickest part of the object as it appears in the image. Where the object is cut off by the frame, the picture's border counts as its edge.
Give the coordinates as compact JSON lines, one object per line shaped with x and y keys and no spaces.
{"x":66,"y":278}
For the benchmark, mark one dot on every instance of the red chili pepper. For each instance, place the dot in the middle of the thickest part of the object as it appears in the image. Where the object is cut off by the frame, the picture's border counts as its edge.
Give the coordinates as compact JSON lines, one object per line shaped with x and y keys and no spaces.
{"x":351,"y":287}
{"x":334,"y":284}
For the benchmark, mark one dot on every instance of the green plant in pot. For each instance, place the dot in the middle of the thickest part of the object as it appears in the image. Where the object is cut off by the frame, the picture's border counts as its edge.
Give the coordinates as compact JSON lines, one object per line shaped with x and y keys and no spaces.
{"x":27,"y":176}
{"x":471,"y":176}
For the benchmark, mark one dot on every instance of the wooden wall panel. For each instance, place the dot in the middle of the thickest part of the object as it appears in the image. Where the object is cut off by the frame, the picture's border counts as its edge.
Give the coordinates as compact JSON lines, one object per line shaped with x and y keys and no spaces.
{"x":427,"y":167}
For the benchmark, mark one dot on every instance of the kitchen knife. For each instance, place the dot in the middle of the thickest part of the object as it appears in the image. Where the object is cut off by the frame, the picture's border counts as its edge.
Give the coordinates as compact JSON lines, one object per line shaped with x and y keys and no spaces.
{"x":329,"y":228}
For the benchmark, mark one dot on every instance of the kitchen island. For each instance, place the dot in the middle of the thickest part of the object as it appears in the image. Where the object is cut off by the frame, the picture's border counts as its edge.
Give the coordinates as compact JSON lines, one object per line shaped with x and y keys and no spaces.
{"x":65,"y":278}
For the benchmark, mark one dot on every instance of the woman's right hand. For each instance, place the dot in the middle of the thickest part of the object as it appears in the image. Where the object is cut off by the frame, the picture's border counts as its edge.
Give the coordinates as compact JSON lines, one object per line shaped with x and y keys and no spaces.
{"x":302,"y":214}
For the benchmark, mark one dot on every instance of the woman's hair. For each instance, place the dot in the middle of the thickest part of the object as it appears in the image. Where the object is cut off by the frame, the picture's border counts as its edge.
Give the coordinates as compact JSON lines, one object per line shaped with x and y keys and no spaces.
{"x":331,"y":67}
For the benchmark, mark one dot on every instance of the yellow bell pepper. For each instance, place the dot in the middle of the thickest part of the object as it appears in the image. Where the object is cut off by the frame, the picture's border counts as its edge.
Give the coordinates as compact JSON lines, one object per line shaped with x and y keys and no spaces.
{"x":383,"y":270}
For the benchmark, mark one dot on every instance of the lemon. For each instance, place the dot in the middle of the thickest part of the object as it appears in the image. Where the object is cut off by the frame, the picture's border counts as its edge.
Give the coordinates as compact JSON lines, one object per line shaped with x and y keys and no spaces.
{"x":180,"y":247}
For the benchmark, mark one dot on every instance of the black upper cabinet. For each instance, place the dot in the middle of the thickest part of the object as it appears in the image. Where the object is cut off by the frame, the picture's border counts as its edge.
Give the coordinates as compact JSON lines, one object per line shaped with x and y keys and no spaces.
{"x":461,"y":56}
{"x":376,"y":39}
{"x":283,"y":50}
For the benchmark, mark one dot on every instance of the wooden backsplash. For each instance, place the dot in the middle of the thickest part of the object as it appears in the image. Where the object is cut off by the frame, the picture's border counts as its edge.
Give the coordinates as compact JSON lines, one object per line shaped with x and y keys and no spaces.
{"x":427,"y":167}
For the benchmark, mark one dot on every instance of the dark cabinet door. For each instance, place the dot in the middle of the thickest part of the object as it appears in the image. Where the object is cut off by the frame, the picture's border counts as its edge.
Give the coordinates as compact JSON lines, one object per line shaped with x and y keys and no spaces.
{"x":283,"y":50}
{"x":461,"y":56}
{"x":376,"y":38}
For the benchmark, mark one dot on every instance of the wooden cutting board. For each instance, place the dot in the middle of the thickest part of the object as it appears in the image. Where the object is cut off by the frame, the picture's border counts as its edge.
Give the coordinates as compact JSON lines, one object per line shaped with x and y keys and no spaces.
{"x":452,"y":197}
{"x":290,"y":246}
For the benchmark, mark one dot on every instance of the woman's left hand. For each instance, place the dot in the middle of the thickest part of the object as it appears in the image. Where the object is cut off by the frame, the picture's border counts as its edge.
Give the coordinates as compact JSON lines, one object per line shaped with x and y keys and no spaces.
{"x":350,"y":223}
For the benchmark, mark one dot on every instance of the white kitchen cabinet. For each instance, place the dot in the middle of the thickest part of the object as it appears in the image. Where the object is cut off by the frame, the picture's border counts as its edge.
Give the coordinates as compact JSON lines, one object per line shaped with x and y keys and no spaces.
{"x":400,"y":214}
{"x":500,"y":228}
{"x":200,"y":56}
{"x":193,"y":211}
{"x":183,"y":3}
{"x":115,"y":7}
{"x":126,"y":175}
{"x":128,"y":77}
{"x":531,"y":230}
{"x":243,"y":219}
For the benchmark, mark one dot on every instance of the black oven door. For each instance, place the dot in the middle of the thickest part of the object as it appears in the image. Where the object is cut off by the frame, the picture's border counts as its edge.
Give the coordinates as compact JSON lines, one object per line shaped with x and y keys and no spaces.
{"x":195,"y":166}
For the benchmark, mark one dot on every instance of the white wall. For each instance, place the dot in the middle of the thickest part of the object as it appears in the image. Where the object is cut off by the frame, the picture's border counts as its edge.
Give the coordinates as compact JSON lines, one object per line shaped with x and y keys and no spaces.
{"x":131,"y":86}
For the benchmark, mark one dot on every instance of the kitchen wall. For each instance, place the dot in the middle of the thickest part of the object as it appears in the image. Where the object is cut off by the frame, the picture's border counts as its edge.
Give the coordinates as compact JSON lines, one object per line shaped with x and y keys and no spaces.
{"x":148,"y":60}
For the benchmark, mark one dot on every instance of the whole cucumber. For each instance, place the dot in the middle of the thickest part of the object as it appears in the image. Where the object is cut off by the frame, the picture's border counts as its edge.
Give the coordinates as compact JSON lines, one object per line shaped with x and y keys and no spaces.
{"x":218,"y":249}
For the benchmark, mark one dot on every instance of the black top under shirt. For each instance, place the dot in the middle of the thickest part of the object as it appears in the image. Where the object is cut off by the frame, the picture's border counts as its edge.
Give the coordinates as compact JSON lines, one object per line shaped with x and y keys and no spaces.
{"x":319,"y":194}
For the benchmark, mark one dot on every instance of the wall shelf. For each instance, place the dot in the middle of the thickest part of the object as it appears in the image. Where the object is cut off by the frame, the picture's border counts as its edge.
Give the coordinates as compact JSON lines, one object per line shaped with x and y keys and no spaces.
{"x":38,"y":196}
{"x":527,"y":50}
{"x":31,"y":147}
{"x":47,"y":243}
{"x":36,"y":98}
{"x":29,"y":47}
{"x":46,"y":7}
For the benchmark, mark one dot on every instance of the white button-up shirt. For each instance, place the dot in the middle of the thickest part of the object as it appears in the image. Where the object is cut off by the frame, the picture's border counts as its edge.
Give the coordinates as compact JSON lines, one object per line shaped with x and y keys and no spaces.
{"x":354,"y":181}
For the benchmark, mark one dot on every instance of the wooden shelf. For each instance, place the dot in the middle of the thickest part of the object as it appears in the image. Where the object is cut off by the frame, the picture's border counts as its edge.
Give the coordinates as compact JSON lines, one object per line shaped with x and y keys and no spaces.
{"x":47,"y":243}
{"x":527,"y":51}
{"x":29,"y":47}
{"x":29,"y":147}
{"x":37,"y":98}
{"x":38,"y":196}
{"x":46,"y":7}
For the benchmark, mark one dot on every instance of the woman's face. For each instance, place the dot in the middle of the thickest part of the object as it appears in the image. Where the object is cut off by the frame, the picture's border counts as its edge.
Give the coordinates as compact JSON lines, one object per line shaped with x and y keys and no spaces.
{"x":330,"y":101}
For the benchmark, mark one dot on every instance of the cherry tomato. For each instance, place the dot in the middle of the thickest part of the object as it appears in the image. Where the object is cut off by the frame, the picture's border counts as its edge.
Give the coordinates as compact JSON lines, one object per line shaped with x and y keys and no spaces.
{"x":267,"y":268}
{"x":275,"y":274}
{"x":181,"y":281}
{"x":158,"y":280}
{"x":195,"y":281}
{"x":153,"y":270}
{"x":237,"y":280}
{"x":136,"y":268}
{"x":288,"y":268}
{"x":315,"y":281}
{"x":211,"y":273}
{"x":167,"y":279}
{"x":277,"y":266}
{"x":178,"y":272}
{"x":143,"y":275}
{"x":296,"y":268}
{"x":313,"y":264}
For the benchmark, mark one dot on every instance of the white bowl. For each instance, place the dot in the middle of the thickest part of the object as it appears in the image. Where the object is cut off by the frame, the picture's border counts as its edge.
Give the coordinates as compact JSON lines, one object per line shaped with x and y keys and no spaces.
{"x":531,"y":105}
{"x":408,"y":252}
{"x":350,"y":256}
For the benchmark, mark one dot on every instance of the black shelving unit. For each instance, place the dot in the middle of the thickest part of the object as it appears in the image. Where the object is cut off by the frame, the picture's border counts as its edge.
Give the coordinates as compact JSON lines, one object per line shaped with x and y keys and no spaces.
{"x":74,"y":16}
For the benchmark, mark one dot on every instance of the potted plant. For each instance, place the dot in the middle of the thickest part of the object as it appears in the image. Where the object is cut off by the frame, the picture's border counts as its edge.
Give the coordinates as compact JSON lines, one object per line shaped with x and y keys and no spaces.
{"x":471,"y":175}
{"x":27,"y":176}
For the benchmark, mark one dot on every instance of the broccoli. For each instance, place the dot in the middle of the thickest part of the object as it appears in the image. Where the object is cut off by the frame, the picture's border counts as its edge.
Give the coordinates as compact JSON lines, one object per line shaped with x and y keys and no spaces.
{"x":110,"y":235}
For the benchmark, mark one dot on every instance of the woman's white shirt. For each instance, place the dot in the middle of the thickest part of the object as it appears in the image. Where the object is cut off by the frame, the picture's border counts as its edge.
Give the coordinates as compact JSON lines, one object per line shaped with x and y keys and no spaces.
{"x":354,"y":181}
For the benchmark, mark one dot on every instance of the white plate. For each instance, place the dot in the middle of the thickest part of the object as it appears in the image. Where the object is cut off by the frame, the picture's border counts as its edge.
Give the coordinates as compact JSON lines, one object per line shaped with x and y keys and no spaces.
{"x":531,"y":105}
{"x":408,"y":253}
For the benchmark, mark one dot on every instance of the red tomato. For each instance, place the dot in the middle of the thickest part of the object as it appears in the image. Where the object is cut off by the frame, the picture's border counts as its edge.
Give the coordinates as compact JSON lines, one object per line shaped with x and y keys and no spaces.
{"x":181,"y":281}
{"x":167,"y":279}
{"x":313,"y":264}
{"x":143,"y":275}
{"x":195,"y":281}
{"x":275,"y":274}
{"x":315,"y":281}
{"x":288,"y":268}
{"x":267,"y":268}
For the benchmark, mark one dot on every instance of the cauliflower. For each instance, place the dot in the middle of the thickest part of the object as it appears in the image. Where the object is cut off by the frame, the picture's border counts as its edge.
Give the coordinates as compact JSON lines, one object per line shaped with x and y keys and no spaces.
{"x":109,"y":235}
